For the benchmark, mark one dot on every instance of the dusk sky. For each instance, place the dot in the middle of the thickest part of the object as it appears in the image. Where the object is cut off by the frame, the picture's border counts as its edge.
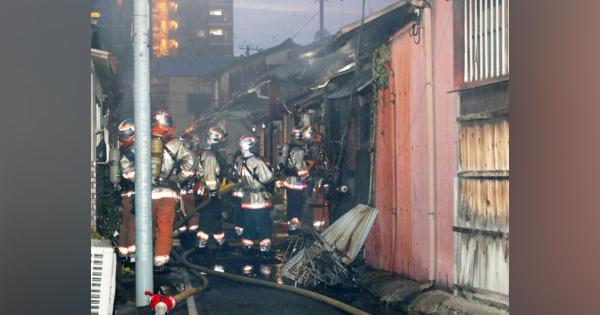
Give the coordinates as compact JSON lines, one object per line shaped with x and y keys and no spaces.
{"x":265,"y":23}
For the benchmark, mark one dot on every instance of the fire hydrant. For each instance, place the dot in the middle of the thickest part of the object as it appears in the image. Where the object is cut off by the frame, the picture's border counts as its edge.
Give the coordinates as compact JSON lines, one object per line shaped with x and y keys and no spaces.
{"x":161,"y":304}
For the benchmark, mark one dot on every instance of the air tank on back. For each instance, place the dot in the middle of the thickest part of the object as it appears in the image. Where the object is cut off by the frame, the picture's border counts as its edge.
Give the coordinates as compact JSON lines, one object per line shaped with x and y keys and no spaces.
{"x":114,"y":172}
{"x":156,"y":148}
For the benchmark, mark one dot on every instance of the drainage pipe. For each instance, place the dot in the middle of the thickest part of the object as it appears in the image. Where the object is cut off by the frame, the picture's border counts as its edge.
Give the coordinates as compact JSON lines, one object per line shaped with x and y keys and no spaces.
{"x":428,"y":45}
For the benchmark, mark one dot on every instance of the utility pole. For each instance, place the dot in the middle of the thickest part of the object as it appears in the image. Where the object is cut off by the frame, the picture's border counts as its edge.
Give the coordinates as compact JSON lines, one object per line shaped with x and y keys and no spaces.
{"x":248,"y":49}
{"x":321,"y":20}
{"x":143,"y":182}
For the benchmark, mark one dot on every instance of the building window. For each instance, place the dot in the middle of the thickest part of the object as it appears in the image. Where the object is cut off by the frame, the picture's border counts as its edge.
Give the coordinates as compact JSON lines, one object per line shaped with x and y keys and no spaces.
{"x":216,"y":12}
{"x":217,"y":32}
{"x":486,"y":29}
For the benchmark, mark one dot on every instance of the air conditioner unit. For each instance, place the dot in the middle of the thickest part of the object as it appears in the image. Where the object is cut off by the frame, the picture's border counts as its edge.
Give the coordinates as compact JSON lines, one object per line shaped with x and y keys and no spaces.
{"x":103,"y":274}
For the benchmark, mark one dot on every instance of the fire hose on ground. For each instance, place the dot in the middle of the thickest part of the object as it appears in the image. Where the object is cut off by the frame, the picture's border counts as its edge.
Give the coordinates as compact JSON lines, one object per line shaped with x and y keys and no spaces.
{"x":200,"y":270}
{"x":163,"y":304}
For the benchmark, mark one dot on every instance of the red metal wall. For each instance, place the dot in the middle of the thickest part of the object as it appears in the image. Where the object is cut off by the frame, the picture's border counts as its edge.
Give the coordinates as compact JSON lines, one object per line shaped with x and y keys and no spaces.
{"x":379,"y":248}
{"x":446,"y":137}
{"x":399,"y":239}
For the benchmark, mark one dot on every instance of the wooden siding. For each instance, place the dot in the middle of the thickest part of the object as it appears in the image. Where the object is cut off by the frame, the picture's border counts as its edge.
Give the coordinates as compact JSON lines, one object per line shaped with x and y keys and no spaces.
{"x":484,"y":146}
{"x":483,"y":262}
{"x":481,"y":222}
{"x":483,"y":204}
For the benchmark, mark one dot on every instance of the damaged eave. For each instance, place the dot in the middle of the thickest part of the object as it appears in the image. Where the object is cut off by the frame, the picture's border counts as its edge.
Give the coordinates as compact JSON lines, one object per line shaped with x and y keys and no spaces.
{"x":307,"y":77}
{"x":356,"y":25}
{"x":257,"y":90}
{"x":105,"y":65}
{"x":343,"y":71}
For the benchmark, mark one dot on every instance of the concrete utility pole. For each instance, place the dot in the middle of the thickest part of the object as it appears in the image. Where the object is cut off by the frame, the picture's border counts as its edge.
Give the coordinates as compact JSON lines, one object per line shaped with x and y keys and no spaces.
{"x":143,"y":180}
{"x":321,"y":20}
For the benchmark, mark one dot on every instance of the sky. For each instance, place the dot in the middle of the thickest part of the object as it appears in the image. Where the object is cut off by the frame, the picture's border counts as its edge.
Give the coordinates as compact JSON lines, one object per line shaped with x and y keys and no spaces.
{"x":265,"y":23}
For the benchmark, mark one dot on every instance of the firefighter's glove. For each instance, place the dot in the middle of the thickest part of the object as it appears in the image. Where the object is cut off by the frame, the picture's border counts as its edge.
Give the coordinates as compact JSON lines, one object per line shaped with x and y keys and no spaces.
{"x":117,"y":188}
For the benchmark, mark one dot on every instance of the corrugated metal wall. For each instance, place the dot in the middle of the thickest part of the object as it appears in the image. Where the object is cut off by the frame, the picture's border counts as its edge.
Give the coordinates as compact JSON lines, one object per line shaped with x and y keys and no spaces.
{"x":401,"y":150}
{"x":379,"y":248}
{"x":482,"y":212}
{"x":398,"y":241}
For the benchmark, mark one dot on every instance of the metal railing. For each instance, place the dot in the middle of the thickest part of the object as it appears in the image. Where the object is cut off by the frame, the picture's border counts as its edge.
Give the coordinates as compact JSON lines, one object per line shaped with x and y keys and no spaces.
{"x":486,"y":30}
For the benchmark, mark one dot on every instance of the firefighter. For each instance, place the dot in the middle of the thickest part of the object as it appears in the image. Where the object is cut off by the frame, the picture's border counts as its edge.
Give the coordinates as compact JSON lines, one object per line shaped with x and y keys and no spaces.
{"x":187,"y":192}
{"x":236,"y":197}
{"x":176,"y":166}
{"x":256,"y":200}
{"x":317,"y":168}
{"x":294,"y":167}
{"x":209,"y":169}
{"x":126,"y":164}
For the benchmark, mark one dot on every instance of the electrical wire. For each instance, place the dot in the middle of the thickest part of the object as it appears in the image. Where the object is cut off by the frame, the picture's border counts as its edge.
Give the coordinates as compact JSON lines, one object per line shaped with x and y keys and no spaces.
{"x":305,"y":24}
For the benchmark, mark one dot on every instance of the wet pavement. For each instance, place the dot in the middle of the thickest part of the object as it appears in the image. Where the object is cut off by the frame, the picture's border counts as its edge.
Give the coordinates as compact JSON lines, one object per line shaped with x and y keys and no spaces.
{"x":228,"y":297}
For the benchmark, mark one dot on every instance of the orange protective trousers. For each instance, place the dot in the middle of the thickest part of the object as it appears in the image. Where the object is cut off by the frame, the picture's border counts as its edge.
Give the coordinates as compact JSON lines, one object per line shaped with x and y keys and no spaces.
{"x":127,"y":230}
{"x":163,"y":217}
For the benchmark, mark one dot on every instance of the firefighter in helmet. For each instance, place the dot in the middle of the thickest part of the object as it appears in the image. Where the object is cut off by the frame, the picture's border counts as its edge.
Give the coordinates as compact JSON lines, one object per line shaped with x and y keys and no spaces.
{"x":174,"y":166}
{"x":126,"y":164}
{"x":209,"y":169}
{"x":294,"y":167}
{"x":237,"y":195}
{"x":318,"y":166}
{"x":256,"y":200}
{"x":188,"y":193}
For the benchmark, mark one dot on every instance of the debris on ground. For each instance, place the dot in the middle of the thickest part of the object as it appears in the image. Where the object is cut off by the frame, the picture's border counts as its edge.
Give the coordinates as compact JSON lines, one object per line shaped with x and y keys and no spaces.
{"x":313,"y":259}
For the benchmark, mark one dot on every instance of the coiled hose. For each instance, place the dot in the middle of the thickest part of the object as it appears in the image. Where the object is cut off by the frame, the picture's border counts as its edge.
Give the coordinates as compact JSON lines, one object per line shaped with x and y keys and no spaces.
{"x":198,"y":270}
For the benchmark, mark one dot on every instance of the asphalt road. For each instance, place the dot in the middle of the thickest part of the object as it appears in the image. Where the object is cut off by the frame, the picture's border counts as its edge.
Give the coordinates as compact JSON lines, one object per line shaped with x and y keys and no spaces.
{"x":228,"y":297}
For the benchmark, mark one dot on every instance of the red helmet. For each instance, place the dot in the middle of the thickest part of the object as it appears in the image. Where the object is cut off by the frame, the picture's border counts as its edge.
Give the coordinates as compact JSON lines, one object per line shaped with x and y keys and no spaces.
{"x":127,"y":132}
{"x":162,"y":124}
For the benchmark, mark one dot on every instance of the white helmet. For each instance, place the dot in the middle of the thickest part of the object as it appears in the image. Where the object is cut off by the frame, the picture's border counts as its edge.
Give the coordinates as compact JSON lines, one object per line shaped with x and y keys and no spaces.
{"x":214,"y":135}
{"x":297,"y":132}
{"x":247,"y":143}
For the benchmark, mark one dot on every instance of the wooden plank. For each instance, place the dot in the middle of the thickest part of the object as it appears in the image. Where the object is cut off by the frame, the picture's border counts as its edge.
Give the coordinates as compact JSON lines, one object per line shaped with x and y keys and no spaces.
{"x":496,"y":114}
{"x":487,"y":147}
{"x":483,"y":263}
{"x":482,"y":204}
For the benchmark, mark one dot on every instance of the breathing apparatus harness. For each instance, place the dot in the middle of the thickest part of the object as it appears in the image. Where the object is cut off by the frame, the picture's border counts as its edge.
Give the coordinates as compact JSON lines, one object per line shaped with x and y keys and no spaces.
{"x":164,"y":181}
{"x":265,"y":187}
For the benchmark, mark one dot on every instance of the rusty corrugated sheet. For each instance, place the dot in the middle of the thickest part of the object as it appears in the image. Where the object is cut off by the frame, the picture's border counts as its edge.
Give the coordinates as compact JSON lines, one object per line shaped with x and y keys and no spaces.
{"x":445,"y":139}
{"x":401,"y":90}
{"x":380,"y":242}
{"x":409,"y":227}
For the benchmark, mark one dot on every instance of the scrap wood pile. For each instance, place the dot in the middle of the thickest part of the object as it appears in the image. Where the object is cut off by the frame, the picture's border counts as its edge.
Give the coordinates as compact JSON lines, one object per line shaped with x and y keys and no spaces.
{"x":314,"y":258}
